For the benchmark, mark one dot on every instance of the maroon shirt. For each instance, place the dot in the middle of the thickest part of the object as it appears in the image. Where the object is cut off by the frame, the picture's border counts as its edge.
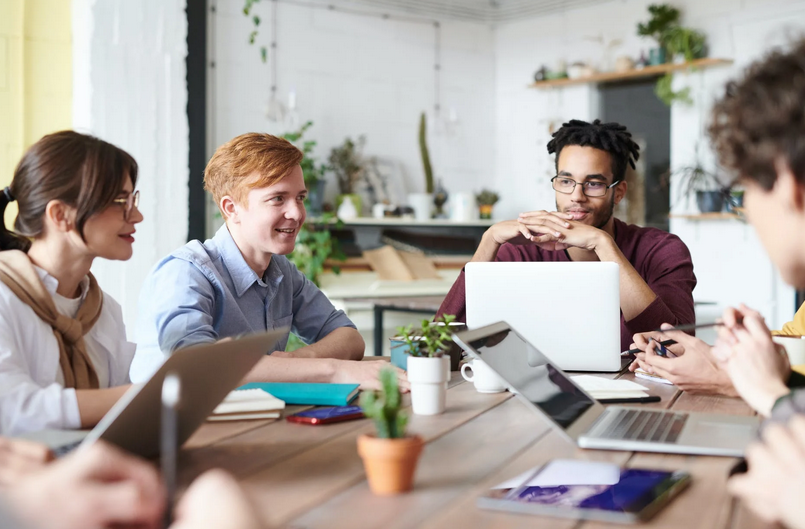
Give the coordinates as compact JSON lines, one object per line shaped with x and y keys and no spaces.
{"x":661,"y":259}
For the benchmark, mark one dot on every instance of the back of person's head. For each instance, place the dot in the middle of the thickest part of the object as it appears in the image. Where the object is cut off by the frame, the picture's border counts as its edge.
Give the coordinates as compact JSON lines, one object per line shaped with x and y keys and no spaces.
{"x":247,"y":162}
{"x":761,"y":119}
{"x":81,"y":171}
{"x":610,"y":137}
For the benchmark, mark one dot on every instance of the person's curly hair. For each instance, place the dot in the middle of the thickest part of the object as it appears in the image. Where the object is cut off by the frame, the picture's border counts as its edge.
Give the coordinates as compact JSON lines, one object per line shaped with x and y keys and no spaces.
{"x":761,"y":118}
{"x":610,"y":137}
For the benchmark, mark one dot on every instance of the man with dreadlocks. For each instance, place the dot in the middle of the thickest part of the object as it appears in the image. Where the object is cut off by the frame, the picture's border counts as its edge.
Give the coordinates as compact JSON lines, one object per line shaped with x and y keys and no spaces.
{"x":656,"y":272}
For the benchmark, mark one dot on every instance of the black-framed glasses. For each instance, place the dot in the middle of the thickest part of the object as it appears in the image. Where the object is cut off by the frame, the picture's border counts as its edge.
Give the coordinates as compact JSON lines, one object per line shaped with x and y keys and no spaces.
{"x":130,"y":202}
{"x":591,"y":188}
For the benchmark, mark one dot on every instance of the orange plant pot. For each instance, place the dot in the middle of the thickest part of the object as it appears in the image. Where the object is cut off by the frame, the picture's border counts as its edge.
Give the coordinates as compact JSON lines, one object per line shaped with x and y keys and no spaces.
{"x":485,"y":211}
{"x":390,"y":463}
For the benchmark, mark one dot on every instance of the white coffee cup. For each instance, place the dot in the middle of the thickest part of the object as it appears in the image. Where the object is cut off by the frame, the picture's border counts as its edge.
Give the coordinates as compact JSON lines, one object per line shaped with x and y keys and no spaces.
{"x":485,"y":380}
{"x":794,"y":348}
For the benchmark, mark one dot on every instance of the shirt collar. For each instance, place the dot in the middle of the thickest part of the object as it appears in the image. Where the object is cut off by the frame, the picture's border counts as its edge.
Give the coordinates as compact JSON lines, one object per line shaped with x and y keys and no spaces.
{"x":51,"y":283}
{"x":243,"y":277}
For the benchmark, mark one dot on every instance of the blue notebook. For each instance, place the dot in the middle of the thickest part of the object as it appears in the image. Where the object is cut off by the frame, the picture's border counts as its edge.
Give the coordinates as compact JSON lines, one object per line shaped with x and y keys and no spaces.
{"x":308,"y":393}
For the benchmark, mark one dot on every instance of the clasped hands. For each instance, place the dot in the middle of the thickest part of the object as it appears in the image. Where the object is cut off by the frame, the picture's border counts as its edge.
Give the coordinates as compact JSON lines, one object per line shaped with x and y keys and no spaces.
{"x":550,"y":230}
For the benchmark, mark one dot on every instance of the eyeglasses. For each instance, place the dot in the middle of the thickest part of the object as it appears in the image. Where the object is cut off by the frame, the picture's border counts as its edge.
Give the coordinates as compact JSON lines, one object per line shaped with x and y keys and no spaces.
{"x":590,"y":188}
{"x":128,"y":203}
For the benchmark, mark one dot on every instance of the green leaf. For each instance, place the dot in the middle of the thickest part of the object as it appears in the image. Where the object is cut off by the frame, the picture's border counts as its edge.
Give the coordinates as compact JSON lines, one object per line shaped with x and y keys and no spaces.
{"x":263,"y":54}
{"x":256,"y":20}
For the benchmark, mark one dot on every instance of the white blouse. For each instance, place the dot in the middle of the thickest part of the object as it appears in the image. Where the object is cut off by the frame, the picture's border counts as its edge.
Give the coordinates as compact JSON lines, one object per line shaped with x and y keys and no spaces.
{"x":31,"y":393}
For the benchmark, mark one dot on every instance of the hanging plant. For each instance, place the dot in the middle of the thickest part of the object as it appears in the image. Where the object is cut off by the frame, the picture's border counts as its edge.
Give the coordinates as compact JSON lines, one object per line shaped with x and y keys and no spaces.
{"x":664,"y":90}
{"x":247,"y":10}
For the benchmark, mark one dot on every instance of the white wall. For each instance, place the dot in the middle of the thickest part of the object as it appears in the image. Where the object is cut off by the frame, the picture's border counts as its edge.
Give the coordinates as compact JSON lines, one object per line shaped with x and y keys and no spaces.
{"x":358,"y":75}
{"x":129,"y":89}
{"x":728,"y":259}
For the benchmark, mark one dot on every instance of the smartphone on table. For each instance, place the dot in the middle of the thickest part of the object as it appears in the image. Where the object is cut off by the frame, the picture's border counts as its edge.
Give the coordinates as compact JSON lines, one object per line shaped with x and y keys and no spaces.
{"x":327,"y":415}
{"x":589,"y":490}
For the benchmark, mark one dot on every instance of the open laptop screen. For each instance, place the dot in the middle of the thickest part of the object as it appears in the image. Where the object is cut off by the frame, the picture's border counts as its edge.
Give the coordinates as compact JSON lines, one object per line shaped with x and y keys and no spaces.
{"x":529,"y":372}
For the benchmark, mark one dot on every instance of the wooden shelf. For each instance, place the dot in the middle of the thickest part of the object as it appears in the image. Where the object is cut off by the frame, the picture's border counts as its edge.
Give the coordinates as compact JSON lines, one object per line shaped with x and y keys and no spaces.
{"x":648,"y":71}
{"x":721,"y":215}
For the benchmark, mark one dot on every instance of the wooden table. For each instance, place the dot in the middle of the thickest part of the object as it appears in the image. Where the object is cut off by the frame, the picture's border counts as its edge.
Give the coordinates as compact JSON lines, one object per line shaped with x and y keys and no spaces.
{"x":310,"y":477}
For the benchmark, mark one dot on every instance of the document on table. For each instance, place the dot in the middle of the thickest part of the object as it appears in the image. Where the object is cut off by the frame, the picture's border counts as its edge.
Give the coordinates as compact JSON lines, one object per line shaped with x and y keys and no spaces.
{"x":604,"y":388}
{"x":248,"y":404}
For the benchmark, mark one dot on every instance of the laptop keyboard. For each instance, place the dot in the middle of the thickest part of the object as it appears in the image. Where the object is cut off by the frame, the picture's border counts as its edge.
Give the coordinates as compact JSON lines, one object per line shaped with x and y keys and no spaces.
{"x":645,"y":425}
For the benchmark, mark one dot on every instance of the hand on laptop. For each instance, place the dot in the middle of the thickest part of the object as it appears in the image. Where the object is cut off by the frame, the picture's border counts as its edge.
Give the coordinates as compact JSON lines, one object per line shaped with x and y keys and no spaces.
{"x":97,"y":486}
{"x":367,"y":374}
{"x":694,"y":370}
{"x":215,"y":500}
{"x":20,"y":457}
{"x":758,"y":367}
{"x":774,"y":486}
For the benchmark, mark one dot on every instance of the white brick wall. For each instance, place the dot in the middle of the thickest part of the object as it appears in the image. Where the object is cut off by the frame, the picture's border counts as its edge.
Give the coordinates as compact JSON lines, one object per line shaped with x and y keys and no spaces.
{"x":129,"y":89}
{"x":361,"y":75}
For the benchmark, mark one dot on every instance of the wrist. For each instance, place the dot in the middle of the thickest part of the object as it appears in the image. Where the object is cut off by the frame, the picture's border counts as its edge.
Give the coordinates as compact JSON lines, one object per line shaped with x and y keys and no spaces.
{"x":602,"y":242}
{"x":770,"y":398}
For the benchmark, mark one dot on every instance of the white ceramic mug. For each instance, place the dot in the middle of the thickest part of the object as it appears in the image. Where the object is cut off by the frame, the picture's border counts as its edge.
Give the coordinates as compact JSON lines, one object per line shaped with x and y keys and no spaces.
{"x":794,"y":347}
{"x":485,"y":380}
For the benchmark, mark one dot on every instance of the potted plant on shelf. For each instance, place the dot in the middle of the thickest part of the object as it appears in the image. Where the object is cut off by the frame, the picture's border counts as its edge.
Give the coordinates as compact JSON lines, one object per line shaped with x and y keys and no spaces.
{"x":347,"y":162}
{"x":486,"y":199}
{"x":423,"y":202}
{"x":663,"y":18}
{"x":389,"y":457}
{"x":429,"y":363}
{"x":704,"y":185}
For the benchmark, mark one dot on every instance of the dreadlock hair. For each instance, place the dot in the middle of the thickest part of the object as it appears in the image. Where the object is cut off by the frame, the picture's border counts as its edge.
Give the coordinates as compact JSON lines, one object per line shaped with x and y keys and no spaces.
{"x":610,"y":137}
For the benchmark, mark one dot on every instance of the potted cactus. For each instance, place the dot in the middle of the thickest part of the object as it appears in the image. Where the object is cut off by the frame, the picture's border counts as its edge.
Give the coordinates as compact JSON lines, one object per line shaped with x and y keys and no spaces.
{"x":389,"y":457}
{"x":429,"y":363}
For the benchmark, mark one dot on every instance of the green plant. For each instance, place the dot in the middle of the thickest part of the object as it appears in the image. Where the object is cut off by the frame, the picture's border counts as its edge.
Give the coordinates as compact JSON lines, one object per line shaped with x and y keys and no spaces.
{"x":663,"y":17}
{"x":665,"y":92}
{"x":685,"y":41}
{"x":432,"y":340}
{"x":247,"y":9}
{"x":311,"y":169}
{"x":383,"y":406}
{"x":486,"y":198}
{"x":348,"y":164}
{"x":423,"y":150}
{"x":315,"y":245}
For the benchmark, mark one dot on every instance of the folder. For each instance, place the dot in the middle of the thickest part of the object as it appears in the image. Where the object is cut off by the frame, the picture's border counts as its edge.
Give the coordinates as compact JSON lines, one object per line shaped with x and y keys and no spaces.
{"x":312,"y":394}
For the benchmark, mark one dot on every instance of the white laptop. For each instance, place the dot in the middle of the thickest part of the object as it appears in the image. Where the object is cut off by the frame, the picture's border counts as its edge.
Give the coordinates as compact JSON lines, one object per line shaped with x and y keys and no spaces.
{"x":207,"y":374}
{"x":571,"y":309}
{"x":552,"y":394}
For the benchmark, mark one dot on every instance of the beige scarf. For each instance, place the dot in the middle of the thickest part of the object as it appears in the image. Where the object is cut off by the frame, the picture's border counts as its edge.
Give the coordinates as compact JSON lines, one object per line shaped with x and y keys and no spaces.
{"x":19,"y":274}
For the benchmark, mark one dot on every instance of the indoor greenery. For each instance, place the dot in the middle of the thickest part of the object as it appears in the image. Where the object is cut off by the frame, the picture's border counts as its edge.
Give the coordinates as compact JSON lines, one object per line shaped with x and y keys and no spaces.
{"x":383,"y":406}
{"x":486,"y":198}
{"x":247,"y":10}
{"x":315,"y":245}
{"x":664,"y":27}
{"x":423,"y":150}
{"x":347,"y":164}
{"x":312,"y":170}
{"x":433,"y":340}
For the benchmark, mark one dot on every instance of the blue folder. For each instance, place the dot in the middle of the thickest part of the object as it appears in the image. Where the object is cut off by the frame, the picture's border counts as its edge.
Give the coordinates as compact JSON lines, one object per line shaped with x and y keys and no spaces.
{"x":311,"y":394}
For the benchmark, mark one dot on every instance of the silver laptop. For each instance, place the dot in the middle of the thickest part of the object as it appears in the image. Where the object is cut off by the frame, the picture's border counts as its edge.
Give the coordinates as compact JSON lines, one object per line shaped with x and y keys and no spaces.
{"x":552,"y":394}
{"x":207,"y":374}
{"x":571,"y":309}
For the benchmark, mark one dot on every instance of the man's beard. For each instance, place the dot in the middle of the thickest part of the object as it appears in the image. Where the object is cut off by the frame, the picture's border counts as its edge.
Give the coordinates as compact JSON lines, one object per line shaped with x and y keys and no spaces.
{"x":600,"y":218}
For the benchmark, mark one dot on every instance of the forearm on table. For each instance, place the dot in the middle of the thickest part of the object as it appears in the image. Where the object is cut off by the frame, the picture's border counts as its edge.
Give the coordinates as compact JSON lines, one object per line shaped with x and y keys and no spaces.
{"x":344,"y":343}
{"x":277,"y":369}
{"x":93,"y":404}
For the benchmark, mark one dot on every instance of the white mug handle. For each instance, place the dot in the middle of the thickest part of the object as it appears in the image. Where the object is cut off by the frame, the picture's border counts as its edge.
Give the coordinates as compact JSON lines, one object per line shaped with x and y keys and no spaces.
{"x":464,"y":373}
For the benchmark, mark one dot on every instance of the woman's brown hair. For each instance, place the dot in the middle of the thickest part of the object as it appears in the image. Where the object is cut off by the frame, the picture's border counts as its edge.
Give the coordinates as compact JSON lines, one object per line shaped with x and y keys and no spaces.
{"x":80,"y":170}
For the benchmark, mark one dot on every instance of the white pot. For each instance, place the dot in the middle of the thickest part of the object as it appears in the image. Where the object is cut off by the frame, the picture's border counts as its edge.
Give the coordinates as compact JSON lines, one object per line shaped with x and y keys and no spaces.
{"x":422,"y":204}
{"x":428,"y":378}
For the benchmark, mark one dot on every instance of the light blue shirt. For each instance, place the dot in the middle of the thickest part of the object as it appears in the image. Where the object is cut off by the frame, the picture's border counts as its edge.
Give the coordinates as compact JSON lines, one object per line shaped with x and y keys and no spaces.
{"x":204,"y":292}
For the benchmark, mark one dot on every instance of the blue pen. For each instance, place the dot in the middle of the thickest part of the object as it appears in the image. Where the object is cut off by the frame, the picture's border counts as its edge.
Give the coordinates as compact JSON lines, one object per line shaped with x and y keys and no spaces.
{"x":660,"y":349}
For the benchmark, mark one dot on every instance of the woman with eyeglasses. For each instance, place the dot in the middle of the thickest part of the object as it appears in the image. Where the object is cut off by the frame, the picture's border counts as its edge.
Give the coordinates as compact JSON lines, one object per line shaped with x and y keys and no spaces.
{"x":64,"y":358}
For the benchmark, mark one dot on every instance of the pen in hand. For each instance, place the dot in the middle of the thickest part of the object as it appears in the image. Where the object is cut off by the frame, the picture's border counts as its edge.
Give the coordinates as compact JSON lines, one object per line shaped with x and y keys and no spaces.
{"x":635,"y":351}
